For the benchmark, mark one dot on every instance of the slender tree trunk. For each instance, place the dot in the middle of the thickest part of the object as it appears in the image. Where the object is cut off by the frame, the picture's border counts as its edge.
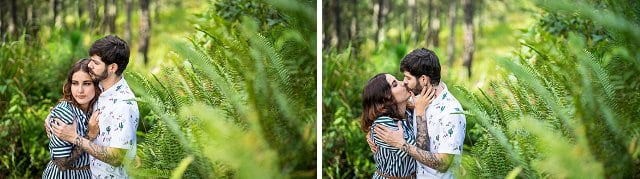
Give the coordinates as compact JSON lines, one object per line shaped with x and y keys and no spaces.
{"x":377,"y":16}
{"x":433,"y":32}
{"x":469,"y":46}
{"x":2,"y":23}
{"x":452,"y":27}
{"x":335,"y":40}
{"x":156,"y":10}
{"x":127,"y":30}
{"x":145,"y":29}
{"x":411,"y":5}
{"x":109,"y":21}
{"x":13,"y":19}
{"x":430,"y":13}
{"x":112,"y":16}
{"x":105,"y":17}
{"x":91,"y":7}
{"x":353,"y":34}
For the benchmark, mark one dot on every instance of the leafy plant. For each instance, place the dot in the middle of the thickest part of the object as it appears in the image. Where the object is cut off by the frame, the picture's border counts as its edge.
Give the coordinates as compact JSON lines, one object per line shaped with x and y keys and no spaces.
{"x":238,"y":101}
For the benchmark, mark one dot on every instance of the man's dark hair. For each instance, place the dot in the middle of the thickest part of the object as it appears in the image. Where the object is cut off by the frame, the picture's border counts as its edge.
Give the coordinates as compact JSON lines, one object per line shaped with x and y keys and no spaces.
{"x":112,"y":49}
{"x":422,"y":62}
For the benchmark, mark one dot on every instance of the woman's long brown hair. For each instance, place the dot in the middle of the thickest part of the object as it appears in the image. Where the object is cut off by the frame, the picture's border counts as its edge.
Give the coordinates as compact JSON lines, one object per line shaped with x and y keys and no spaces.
{"x":377,"y":101}
{"x":81,"y":65}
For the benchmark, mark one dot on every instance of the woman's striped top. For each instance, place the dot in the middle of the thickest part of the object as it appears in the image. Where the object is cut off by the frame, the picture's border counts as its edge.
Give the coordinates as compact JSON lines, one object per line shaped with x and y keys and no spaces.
{"x":59,"y":148}
{"x":392,"y":161}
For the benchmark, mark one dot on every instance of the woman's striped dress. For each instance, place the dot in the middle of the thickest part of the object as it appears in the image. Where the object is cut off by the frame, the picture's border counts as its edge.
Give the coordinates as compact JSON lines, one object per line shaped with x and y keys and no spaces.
{"x":59,"y":148}
{"x":391,"y":161}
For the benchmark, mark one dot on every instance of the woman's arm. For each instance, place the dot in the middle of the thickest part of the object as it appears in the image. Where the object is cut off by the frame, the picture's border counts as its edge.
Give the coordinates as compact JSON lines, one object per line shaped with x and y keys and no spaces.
{"x":65,"y":163}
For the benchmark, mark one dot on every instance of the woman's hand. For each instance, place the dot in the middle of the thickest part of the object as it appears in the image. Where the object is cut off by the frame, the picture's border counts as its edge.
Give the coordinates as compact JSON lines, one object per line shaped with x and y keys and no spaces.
{"x":64,"y":131}
{"x":427,"y":95}
{"x":394,"y":138}
{"x":94,"y":129}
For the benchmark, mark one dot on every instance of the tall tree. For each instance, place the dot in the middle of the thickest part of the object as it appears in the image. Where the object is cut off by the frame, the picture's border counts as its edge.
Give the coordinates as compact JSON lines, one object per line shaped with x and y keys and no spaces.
{"x":145,"y":29}
{"x":469,"y":42}
{"x":335,"y":39}
{"x":127,"y":30}
{"x":91,"y":7}
{"x":452,"y":27}
{"x":109,"y":17}
{"x":433,"y":24}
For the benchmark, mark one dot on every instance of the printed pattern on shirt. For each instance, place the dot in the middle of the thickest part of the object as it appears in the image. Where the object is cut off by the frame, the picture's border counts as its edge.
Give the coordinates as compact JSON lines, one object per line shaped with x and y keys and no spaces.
{"x":118,"y":124}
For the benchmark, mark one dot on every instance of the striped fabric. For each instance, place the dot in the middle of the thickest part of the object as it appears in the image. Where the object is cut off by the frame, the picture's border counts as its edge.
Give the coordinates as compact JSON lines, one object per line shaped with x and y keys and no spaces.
{"x":59,"y":148}
{"x":52,"y":171}
{"x":392,"y":161}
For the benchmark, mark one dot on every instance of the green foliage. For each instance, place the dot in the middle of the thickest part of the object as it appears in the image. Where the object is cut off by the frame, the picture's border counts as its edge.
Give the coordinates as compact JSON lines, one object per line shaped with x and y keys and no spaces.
{"x":240,"y":100}
{"x":30,"y":83}
{"x":565,"y":107}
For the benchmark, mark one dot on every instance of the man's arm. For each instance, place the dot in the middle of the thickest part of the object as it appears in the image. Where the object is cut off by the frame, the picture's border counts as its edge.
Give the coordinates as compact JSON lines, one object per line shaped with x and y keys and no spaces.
{"x":438,"y":161}
{"x":112,"y":156}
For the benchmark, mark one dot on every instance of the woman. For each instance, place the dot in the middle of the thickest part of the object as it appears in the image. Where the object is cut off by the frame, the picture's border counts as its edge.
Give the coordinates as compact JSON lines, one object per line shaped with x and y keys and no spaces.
{"x":80,"y":93}
{"x":384,"y":102}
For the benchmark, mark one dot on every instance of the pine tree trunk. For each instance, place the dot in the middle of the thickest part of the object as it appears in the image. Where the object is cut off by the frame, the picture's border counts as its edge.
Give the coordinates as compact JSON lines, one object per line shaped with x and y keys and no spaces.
{"x":433,"y":25}
{"x":414,"y":24}
{"x":377,"y":16}
{"x":91,"y":7}
{"x":452,"y":27}
{"x":145,"y":29}
{"x":337,"y":24}
{"x":127,"y":30}
{"x":469,"y":48}
{"x":112,"y":16}
{"x":13,"y":19}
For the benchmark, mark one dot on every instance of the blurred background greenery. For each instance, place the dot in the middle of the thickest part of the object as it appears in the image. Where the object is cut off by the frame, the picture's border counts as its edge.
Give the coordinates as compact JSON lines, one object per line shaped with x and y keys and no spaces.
{"x":550,"y":88}
{"x":225,"y":87}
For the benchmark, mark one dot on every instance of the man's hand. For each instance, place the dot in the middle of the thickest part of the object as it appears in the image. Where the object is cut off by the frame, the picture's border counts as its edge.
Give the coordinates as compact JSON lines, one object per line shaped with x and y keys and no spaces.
{"x":391,"y":137}
{"x":94,"y":129}
{"x":47,"y":129}
{"x":372,"y":145}
{"x":64,"y":131}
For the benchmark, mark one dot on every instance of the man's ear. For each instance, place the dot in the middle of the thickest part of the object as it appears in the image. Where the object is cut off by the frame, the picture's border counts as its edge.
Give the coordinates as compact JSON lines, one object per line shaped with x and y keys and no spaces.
{"x":424,"y":79}
{"x":113,"y":68}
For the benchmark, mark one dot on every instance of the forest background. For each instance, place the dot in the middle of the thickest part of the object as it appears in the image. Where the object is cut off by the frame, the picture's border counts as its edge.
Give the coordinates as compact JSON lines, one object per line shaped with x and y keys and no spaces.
{"x":550,"y":89}
{"x":225,"y":88}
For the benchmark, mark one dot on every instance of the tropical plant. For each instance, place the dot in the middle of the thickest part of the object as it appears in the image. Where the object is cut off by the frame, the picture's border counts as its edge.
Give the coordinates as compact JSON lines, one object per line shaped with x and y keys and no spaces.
{"x":566,"y":105}
{"x":239,"y":101}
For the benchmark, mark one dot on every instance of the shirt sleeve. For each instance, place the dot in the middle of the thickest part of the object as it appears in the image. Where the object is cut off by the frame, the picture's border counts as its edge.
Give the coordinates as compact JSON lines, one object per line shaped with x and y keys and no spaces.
{"x":58,"y":147}
{"x":452,"y":132}
{"x":123,"y":125}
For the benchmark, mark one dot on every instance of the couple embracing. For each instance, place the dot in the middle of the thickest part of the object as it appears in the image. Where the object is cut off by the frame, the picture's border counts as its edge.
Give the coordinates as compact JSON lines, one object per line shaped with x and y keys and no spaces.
{"x":414,"y":127}
{"x":92,"y":129}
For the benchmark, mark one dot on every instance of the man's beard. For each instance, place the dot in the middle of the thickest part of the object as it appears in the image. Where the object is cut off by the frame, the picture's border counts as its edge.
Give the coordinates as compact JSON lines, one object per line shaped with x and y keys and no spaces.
{"x":417,"y":89}
{"x":99,"y":77}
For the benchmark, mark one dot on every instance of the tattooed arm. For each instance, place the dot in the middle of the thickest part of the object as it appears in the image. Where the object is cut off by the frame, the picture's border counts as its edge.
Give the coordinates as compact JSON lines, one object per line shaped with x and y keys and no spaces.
{"x":65,"y":163}
{"x":438,"y":161}
{"x":112,"y":156}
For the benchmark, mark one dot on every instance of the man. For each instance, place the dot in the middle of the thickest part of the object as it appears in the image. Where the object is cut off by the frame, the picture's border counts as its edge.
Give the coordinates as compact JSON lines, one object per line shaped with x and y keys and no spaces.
{"x":440,"y":129}
{"x":117,"y":110}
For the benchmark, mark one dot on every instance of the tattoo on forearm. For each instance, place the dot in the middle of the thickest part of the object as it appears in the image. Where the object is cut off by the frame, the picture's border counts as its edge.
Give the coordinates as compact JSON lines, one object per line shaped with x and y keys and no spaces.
{"x":112,"y":157}
{"x":422,"y":138}
{"x":64,"y":163}
{"x":429,"y":159}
